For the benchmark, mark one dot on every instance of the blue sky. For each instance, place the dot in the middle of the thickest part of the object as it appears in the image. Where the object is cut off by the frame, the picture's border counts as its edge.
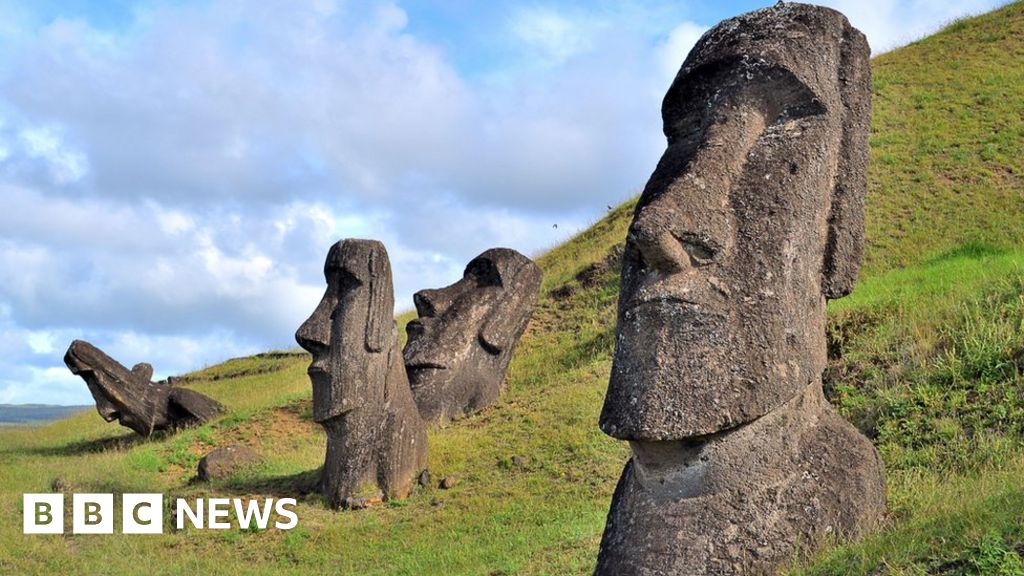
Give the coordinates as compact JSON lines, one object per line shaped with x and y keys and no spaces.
{"x":173,"y":173}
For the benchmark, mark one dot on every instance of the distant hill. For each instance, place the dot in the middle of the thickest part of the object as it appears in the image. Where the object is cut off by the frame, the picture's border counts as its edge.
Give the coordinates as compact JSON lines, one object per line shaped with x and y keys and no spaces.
{"x":35,"y":413}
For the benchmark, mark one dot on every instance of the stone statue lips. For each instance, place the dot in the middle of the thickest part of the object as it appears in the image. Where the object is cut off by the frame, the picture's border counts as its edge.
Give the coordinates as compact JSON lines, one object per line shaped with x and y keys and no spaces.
{"x":690,"y":293}
{"x":82,"y":356}
{"x":669,"y":321}
{"x":323,"y":382}
{"x":665,"y":301}
{"x":318,"y":374}
{"x":438,"y":338}
{"x":672,"y":315}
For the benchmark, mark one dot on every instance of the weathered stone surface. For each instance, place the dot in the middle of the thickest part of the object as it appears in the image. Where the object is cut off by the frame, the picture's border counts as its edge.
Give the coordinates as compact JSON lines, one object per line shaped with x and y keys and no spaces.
{"x":753,"y":217}
{"x":131,"y":398}
{"x":222,"y":462}
{"x":361,"y":396}
{"x":459,"y":348}
{"x":144,"y":371}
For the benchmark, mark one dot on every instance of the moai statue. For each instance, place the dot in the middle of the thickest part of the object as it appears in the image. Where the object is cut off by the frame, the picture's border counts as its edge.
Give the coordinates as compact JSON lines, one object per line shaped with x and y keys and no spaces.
{"x":131,"y":398}
{"x":375,"y":437}
{"x":459,"y":348}
{"x":751,"y":220}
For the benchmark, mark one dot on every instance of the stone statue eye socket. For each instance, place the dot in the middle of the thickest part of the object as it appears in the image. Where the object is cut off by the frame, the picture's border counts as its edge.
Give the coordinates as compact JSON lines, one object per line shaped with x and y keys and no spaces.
{"x":484,"y":272}
{"x":344,"y":279}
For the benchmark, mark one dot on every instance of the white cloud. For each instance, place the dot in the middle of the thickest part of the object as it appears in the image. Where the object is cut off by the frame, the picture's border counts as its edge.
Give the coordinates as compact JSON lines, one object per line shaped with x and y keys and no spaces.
{"x":550,"y":36}
{"x":674,"y":50}
{"x":41,"y":342}
{"x":891,"y":23}
{"x":105,"y":265}
{"x":66,"y":166}
{"x":51,"y":382}
{"x":174,"y":222}
{"x":52,"y":385}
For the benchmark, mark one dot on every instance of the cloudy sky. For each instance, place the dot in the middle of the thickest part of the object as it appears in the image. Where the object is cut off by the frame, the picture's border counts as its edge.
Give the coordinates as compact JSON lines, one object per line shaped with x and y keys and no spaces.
{"x":173,"y":173}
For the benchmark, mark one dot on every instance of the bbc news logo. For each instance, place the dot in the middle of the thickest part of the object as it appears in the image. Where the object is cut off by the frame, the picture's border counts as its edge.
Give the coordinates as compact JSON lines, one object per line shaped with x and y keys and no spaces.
{"x":144,"y":513}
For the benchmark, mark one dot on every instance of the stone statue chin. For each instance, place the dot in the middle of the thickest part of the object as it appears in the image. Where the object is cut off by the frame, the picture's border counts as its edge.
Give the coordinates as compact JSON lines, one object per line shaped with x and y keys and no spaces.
{"x":460,"y":346}
{"x":751,"y":220}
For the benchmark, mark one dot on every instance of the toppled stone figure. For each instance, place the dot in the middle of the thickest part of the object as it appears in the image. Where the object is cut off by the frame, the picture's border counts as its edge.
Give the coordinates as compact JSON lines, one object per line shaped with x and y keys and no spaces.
{"x":131,"y":398}
{"x":375,"y":437}
{"x":460,"y":346}
{"x":751,"y":220}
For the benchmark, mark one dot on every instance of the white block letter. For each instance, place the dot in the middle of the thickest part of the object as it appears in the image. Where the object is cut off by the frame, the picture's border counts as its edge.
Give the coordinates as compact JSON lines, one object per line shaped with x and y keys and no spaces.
{"x":142,"y":514}
{"x":252,"y":511}
{"x":219,"y":508}
{"x":281,"y":510}
{"x":43,"y":514}
{"x":182,"y":509}
{"x":92,"y":514}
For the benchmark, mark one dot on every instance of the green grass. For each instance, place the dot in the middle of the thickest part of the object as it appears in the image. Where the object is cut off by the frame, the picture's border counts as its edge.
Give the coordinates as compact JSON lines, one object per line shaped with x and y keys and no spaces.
{"x":946,"y":142}
{"x":934,"y":375}
{"x":925,"y":358}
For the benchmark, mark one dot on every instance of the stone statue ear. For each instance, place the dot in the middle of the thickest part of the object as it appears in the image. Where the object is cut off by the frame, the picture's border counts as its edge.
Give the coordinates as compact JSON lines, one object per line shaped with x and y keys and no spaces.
{"x":504,"y":322}
{"x":845,"y":243}
{"x":497,"y":329}
{"x":499,"y":326}
{"x":380,"y":309}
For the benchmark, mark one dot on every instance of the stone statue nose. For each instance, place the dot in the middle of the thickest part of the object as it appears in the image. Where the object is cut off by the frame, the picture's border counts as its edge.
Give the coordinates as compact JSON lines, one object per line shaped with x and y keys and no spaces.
{"x":430,"y":303}
{"x":314,"y":335}
{"x":305,"y":339}
{"x":660,"y":249}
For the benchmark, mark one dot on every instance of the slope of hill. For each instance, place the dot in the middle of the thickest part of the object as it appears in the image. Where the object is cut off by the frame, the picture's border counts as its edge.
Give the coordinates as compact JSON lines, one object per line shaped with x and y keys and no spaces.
{"x":927,"y":358}
{"x":947,"y":139}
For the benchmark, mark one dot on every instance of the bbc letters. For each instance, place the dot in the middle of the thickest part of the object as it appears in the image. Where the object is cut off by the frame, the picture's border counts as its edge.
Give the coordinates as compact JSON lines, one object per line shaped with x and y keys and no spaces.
{"x":144,"y":513}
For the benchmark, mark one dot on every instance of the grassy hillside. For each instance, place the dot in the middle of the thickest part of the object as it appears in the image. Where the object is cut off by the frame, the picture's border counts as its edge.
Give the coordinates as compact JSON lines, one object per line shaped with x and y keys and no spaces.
{"x":927,"y":358}
{"x":947,"y":142}
{"x":928,"y":361}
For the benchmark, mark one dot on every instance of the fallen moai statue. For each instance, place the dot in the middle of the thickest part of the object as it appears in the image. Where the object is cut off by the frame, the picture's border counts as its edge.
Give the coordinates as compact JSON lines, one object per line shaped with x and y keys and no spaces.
{"x":460,"y":346}
{"x":375,"y":437}
{"x":751,"y":220}
{"x":131,"y":398}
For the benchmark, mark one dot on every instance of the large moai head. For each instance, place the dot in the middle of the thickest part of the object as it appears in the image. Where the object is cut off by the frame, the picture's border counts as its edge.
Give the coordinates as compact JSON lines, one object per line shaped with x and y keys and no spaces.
{"x":460,"y":346}
{"x":120,"y":394}
{"x":751,"y":220}
{"x":129,"y":396}
{"x":351,"y":332}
